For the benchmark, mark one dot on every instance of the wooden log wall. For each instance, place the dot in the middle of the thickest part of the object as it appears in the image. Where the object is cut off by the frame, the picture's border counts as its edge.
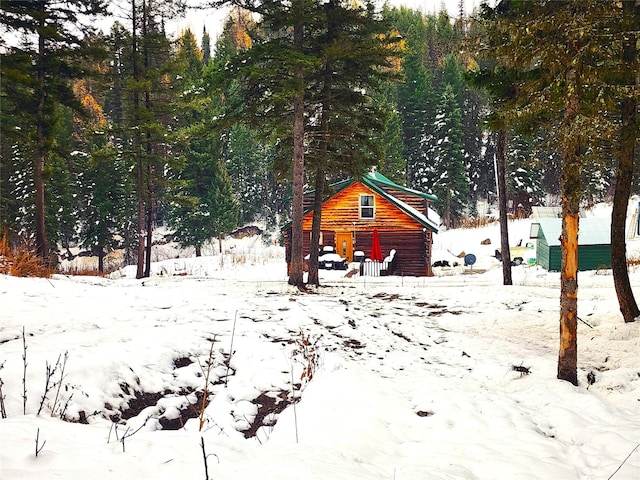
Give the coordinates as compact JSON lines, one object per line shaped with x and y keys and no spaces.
{"x":409,"y":247}
{"x":396,"y":229}
{"x":340,"y":211}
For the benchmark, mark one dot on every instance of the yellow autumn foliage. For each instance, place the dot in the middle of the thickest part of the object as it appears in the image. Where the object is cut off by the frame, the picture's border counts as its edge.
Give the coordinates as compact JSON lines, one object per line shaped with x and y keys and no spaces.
{"x":82,"y":91}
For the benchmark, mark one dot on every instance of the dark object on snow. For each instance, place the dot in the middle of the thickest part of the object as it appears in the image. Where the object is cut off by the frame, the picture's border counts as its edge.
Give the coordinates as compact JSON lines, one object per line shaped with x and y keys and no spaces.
{"x":469,"y":259}
{"x":591,"y":377}
{"x":441,"y":263}
{"x":522,"y":370}
{"x":424,"y":413}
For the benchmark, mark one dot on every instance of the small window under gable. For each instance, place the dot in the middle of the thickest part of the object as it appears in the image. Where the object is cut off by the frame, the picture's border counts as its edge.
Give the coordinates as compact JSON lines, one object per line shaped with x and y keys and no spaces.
{"x":367,"y":206}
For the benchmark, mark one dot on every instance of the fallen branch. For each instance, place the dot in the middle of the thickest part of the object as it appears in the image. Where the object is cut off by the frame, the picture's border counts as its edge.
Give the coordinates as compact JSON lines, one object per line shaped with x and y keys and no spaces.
{"x":624,"y":461}
{"x":590,"y":326}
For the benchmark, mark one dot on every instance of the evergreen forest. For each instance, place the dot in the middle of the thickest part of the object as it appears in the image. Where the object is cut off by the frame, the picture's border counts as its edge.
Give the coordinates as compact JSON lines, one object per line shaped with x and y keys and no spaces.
{"x":107,"y":135}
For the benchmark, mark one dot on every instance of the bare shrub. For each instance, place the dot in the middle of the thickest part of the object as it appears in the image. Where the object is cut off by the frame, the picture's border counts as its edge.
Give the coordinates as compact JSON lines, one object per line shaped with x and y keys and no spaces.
{"x":3,"y":411}
{"x":307,"y":353}
{"x":206,"y":373}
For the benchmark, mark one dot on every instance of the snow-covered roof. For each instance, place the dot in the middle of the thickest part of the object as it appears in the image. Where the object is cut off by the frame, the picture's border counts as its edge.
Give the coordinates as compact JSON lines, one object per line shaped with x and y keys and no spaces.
{"x":373,"y":179}
{"x":591,"y":230}
{"x":377,"y":177}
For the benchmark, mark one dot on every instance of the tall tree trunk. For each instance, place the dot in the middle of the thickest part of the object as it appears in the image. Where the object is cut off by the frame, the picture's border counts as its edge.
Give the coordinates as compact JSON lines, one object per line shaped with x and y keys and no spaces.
{"x":628,"y":138}
{"x":42,"y":242}
{"x":314,"y":276}
{"x":320,"y":180}
{"x":100,"y":253}
{"x":139,"y":198}
{"x":149,"y":203}
{"x":148,"y":226}
{"x":571,"y":189}
{"x":447,"y":210}
{"x":138,"y":144}
{"x":148,"y":144}
{"x":296,"y":275}
{"x":505,"y":253}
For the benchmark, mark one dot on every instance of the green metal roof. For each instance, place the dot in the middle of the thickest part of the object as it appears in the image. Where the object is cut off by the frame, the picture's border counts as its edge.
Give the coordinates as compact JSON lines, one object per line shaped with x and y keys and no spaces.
{"x":377,"y":177}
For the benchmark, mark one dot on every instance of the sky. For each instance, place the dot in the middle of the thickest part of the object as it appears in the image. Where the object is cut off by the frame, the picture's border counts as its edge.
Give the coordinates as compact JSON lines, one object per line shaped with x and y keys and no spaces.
{"x":444,"y":378}
{"x":212,"y":19}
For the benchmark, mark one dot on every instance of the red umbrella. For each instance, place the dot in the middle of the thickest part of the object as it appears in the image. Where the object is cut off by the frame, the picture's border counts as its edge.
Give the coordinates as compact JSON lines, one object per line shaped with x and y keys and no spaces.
{"x":376,"y":251}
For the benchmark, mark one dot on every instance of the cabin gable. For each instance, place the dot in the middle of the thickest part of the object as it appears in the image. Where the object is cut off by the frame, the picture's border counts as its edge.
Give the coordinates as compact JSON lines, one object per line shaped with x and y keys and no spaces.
{"x":357,"y":211}
{"x":344,"y":208}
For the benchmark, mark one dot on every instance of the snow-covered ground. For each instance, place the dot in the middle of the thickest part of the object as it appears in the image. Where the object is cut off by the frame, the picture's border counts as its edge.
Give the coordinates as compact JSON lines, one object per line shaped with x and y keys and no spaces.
{"x":449,"y":377}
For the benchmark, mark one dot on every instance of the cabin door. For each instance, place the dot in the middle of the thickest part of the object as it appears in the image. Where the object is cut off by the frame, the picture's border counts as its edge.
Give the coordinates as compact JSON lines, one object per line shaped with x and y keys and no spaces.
{"x":344,"y":245}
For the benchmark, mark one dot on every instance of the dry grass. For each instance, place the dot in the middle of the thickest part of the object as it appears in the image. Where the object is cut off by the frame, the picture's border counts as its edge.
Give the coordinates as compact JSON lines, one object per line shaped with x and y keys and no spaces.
{"x":633,"y":261}
{"x":86,"y":272}
{"x":21,"y":261}
{"x":476,"y":222}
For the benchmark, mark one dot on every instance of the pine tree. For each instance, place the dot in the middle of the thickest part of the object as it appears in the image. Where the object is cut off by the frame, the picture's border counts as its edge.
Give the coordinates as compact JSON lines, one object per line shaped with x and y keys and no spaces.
{"x":149,"y":114}
{"x":273,"y":75}
{"x":250,"y":156}
{"x":247,"y":162}
{"x":16,"y":146}
{"x":355,"y":52}
{"x":417,"y":102}
{"x":556,"y":49}
{"x":391,"y":162}
{"x":448,"y":171}
{"x":524,"y":184}
{"x":416,"y":99}
{"x":57,"y":47}
{"x":106,"y":195}
{"x":627,"y":36}
{"x":206,"y":46}
{"x":63,"y":176}
{"x":202,"y":204}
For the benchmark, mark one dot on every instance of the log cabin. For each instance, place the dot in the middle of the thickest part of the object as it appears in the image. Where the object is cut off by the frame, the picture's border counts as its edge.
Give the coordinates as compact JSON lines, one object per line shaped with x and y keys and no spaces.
{"x":356,"y":207}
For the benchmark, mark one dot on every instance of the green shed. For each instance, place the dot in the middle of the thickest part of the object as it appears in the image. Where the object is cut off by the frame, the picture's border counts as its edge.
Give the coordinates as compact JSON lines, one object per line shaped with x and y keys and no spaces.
{"x":594,"y":243}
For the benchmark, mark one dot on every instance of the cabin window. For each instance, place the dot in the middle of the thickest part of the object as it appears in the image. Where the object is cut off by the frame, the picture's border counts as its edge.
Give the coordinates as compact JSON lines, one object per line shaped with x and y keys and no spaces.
{"x":367,"y":207}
